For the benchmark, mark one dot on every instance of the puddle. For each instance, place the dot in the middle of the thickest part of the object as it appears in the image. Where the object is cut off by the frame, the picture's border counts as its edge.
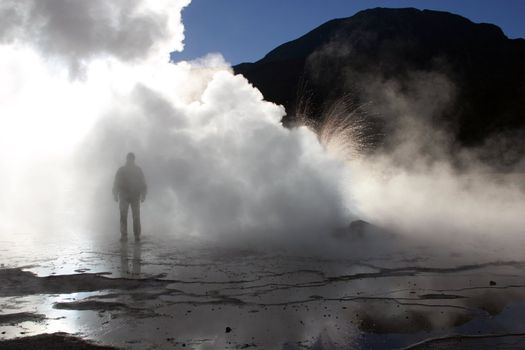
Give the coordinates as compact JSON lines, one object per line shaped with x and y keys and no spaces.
{"x":157,"y":294}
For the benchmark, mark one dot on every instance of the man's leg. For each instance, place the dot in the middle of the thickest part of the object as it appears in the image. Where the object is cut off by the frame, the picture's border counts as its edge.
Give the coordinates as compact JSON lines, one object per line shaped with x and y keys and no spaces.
{"x":135,"y":211}
{"x":123,"y":205}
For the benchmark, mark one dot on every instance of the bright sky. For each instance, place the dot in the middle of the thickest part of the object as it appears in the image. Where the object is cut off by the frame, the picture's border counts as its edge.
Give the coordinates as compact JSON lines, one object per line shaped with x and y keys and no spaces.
{"x":245,"y":30}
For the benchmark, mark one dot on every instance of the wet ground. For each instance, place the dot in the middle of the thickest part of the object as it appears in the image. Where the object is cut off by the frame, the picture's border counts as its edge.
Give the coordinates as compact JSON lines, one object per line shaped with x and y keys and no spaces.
{"x":168,"y":294}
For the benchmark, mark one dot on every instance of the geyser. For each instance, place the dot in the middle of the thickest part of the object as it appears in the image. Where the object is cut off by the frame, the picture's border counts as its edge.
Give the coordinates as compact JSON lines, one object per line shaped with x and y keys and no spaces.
{"x":81,"y":89}
{"x":217,"y":159}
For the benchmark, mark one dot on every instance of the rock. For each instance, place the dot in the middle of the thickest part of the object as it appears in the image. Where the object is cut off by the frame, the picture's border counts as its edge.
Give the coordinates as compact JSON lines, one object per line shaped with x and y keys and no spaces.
{"x":360,"y":229}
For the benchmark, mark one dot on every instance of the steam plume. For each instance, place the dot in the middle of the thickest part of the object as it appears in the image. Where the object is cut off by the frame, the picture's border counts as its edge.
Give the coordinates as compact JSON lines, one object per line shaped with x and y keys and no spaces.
{"x":216,"y":157}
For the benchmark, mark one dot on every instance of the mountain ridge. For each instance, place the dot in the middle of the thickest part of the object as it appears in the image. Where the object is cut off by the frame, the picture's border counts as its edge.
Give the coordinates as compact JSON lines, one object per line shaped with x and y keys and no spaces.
{"x":338,"y":58}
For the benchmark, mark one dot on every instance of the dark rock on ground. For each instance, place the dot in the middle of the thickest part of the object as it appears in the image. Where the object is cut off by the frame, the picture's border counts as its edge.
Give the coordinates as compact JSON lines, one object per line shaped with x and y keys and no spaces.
{"x":55,"y":341}
{"x":91,"y":305}
{"x":19,"y":317}
{"x":17,"y":282}
{"x":488,"y":341}
{"x":360,"y":229}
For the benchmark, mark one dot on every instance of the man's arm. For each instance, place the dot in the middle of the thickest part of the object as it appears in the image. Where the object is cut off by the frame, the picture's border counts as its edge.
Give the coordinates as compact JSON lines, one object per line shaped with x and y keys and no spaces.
{"x":144,"y":187}
{"x":116,"y":185}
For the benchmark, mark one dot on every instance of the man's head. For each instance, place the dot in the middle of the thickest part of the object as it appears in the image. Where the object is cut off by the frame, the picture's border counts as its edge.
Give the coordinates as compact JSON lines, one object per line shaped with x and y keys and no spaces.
{"x":130,"y":158}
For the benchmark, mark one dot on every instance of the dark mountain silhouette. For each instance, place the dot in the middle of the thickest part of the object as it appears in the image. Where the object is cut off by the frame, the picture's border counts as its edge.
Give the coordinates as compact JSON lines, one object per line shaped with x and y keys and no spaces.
{"x":356,"y":56}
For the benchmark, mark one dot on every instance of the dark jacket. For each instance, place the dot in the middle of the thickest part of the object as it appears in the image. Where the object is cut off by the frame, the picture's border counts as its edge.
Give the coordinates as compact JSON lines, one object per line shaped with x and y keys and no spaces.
{"x":129,"y":182}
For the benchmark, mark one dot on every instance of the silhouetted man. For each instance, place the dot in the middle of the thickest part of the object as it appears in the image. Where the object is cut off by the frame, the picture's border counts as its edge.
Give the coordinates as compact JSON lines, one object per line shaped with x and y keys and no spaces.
{"x":130,"y":188}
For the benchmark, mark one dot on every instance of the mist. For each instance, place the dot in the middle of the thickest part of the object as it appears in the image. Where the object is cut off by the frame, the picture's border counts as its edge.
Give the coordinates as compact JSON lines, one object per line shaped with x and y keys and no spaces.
{"x":217,"y":160}
{"x":369,"y":228}
{"x":420,"y":183}
{"x":76,"y":97}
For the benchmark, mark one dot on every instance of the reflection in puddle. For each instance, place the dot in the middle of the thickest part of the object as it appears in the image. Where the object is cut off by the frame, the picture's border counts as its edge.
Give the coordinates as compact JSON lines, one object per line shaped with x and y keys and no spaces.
{"x":135,"y":260}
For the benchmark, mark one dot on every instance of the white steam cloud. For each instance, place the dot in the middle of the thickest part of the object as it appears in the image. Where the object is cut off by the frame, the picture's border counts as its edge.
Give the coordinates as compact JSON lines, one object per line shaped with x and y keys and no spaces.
{"x":422,"y":185}
{"x":216,"y":157}
{"x":75,"y":32}
{"x":85,"y":82}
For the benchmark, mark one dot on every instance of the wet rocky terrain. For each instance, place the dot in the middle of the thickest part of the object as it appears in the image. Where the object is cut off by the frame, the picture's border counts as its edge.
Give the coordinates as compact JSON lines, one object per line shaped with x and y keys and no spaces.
{"x":191,"y":294}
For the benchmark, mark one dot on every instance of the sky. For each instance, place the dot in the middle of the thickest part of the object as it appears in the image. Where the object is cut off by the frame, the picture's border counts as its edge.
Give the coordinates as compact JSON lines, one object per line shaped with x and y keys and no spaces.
{"x":245,"y":30}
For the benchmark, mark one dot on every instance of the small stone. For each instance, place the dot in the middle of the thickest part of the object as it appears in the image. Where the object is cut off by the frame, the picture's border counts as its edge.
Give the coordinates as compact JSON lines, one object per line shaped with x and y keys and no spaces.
{"x":228,"y":329}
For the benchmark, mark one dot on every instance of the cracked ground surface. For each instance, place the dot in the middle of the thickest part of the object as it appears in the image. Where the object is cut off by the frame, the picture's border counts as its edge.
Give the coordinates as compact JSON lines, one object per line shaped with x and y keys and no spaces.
{"x":162,"y":294}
